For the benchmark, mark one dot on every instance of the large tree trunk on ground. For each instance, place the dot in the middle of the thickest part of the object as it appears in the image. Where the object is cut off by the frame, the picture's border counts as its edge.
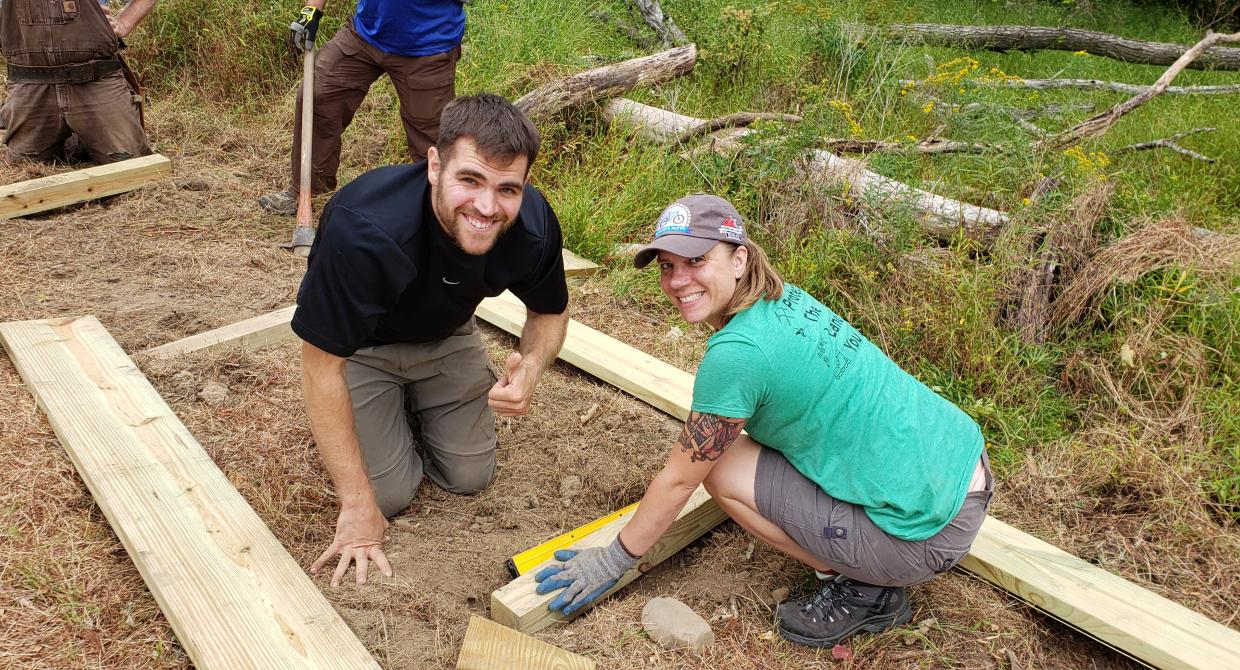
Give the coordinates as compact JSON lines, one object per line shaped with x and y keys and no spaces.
{"x":942,"y":217}
{"x":1026,"y":38}
{"x":605,"y":82}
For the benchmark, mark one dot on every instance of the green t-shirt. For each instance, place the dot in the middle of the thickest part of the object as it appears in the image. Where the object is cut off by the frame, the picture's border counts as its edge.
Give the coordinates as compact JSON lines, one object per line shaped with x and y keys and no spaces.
{"x":845,"y":415}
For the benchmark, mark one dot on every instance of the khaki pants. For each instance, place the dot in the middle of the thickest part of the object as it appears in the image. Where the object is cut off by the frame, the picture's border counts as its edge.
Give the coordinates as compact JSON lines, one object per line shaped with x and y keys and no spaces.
{"x":343,"y":73}
{"x":103,"y":114}
{"x":445,"y":386}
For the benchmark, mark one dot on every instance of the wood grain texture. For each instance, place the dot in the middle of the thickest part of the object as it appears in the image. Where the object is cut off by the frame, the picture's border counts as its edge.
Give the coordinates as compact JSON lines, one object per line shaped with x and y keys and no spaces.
{"x":604,"y":82}
{"x":58,"y":190}
{"x":517,"y":606}
{"x":490,"y":646}
{"x":232,"y":594}
{"x":1107,"y":607}
{"x":260,"y":331}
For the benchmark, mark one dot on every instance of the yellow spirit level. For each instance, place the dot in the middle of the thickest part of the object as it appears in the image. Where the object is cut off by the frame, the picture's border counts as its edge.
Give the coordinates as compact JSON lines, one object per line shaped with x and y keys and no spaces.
{"x":522,"y":562}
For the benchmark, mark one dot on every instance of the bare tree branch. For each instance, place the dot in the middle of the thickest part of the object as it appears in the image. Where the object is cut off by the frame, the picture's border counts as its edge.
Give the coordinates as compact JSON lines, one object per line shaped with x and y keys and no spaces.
{"x":930,"y":145}
{"x":1099,"y":123}
{"x":663,"y":24}
{"x":1169,"y":143}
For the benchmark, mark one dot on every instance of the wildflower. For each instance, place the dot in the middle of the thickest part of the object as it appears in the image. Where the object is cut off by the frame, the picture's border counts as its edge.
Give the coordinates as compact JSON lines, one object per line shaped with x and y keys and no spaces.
{"x":927,"y":107}
{"x":1027,"y":202}
{"x":1080,"y":53}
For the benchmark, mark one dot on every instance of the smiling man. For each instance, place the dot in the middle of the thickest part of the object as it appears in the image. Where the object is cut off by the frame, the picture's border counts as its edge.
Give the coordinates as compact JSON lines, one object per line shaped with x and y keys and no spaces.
{"x":402,"y":257}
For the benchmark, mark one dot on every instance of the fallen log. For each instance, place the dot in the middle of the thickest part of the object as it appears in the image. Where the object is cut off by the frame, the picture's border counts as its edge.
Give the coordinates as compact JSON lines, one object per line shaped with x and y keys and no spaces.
{"x":605,"y":82}
{"x":930,"y":145}
{"x":943,"y":218}
{"x":1029,"y":38}
{"x":1099,"y":123}
{"x":737,"y":120}
{"x":1098,"y":85}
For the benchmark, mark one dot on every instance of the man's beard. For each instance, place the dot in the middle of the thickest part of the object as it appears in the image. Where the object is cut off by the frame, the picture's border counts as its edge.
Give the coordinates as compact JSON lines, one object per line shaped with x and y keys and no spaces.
{"x":456,"y":226}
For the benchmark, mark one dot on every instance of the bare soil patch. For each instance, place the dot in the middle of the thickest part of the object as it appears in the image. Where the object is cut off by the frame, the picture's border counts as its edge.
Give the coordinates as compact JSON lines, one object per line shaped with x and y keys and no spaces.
{"x":178,"y":258}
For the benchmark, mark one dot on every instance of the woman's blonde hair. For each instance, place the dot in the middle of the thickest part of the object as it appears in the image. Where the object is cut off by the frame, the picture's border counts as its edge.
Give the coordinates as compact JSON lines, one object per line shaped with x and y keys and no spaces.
{"x":760,"y":281}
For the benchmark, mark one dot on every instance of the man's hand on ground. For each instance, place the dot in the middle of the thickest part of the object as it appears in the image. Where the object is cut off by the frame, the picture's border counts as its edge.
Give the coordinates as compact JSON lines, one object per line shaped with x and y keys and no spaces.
{"x":305,"y":29}
{"x":511,"y":395}
{"x":359,"y":539}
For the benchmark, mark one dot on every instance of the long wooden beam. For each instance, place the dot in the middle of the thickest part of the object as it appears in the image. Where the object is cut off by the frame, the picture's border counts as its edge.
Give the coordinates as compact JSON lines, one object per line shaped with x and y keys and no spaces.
{"x":58,"y":190}
{"x":232,"y":594}
{"x":490,"y":646}
{"x":1107,"y":607}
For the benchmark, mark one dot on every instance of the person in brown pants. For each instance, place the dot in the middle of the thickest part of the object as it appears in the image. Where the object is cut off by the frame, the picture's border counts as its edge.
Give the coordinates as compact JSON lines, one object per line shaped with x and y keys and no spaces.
{"x":417,"y":44}
{"x":68,"y":96}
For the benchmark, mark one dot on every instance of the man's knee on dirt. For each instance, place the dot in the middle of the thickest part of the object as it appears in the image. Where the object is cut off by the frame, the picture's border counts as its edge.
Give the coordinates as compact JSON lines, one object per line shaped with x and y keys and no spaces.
{"x":464,"y":475}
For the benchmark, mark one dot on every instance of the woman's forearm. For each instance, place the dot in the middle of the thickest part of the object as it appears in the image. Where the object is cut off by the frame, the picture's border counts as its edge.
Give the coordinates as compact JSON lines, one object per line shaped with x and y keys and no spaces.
{"x":665,"y":497}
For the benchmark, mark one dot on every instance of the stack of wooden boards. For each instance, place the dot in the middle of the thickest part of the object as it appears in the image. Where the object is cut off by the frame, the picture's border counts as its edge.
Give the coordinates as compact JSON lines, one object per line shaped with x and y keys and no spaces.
{"x":237,"y":600}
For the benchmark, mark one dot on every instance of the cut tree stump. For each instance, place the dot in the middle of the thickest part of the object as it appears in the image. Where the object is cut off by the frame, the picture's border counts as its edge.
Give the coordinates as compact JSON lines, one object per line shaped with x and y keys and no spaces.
{"x":605,"y":82}
{"x":1029,"y":38}
{"x":490,"y":646}
{"x":68,"y":188}
{"x":232,"y":594}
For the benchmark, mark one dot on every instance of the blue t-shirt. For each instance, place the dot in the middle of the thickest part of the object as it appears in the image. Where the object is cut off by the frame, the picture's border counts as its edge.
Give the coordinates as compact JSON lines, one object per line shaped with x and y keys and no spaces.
{"x":411,"y":27}
{"x":842,"y":412}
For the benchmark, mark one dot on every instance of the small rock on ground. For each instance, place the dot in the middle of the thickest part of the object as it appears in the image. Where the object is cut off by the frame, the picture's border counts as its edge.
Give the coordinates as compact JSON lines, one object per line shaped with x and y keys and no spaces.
{"x":673,"y":625}
{"x":570,"y":486}
{"x":213,"y":393}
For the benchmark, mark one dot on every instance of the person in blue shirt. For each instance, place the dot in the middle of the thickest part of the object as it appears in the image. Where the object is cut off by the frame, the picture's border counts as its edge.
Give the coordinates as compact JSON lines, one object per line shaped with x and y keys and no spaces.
{"x":416,"y":43}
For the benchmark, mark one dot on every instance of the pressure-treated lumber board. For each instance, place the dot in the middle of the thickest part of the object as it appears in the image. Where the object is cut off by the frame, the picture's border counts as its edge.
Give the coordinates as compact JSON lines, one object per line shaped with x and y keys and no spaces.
{"x":490,"y":646}
{"x":517,"y":606}
{"x":249,"y":334}
{"x":1109,"y":608}
{"x":58,"y":190}
{"x":260,"y":331}
{"x":576,"y":266}
{"x":233,"y":595}
{"x":1105,"y":606}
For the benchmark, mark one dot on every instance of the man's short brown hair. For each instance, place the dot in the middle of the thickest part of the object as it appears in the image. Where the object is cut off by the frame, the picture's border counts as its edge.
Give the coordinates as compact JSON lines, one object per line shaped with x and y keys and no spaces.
{"x":499,"y":130}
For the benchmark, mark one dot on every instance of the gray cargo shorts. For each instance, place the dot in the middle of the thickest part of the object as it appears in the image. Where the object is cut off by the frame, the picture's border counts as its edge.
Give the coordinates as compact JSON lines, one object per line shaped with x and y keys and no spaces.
{"x":842,"y":535}
{"x":445,"y":385}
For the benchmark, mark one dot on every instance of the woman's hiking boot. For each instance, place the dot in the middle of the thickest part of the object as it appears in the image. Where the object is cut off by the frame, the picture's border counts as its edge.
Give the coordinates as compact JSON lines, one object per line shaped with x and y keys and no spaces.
{"x":840,"y":608}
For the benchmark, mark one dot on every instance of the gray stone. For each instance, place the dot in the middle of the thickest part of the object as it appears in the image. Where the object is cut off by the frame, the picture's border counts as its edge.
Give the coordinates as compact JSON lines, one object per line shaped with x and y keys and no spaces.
{"x":673,"y":625}
{"x":213,"y":393}
{"x":570,"y":486}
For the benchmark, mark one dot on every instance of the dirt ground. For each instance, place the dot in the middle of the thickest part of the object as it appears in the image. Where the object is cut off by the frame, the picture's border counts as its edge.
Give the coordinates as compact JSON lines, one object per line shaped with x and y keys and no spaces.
{"x":193,"y":253}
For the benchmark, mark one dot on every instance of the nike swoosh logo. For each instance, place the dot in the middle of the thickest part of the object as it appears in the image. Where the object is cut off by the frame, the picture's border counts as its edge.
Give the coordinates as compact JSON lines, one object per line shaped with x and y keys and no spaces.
{"x":450,"y":283}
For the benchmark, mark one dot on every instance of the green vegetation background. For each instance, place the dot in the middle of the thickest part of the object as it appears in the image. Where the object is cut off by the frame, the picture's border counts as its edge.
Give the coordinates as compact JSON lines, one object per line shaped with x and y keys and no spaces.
{"x":826,"y":62}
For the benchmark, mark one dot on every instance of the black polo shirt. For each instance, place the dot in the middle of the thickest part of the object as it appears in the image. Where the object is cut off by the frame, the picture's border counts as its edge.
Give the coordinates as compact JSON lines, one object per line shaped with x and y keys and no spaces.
{"x":382,"y":269}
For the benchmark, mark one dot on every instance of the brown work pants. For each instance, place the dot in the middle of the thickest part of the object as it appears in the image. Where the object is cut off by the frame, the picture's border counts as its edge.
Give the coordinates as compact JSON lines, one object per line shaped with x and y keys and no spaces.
{"x":41,"y":117}
{"x":343,"y":72}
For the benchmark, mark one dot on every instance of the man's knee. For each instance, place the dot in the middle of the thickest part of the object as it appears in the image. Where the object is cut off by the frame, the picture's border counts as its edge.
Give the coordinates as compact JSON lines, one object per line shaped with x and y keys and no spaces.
{"x":466,"y":475}
{"x":394,"y":493}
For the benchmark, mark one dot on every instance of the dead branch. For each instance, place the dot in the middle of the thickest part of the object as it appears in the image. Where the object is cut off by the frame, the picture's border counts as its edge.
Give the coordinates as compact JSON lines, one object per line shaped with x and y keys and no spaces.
{"x":1099,"y":123}
{"x":663,"y":24}
{"x":930,"y":145}
{"x":942,"y":217}
{"x":629,"y":30}
{"x":1169,"y":143}
{"x":607,"y":81}
{"x":1099,"y":85}
{"x":1028,"y":38}
{"x":738,"y":120}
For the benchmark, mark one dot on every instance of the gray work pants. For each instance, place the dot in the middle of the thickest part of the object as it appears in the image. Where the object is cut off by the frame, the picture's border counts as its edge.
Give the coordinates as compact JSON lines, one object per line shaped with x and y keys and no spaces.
{"x":445,"y":385}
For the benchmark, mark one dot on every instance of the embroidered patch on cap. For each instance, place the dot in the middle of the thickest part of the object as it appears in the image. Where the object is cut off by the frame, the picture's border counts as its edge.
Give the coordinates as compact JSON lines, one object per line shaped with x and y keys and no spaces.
{"x":673,"y":220}
{"x":731,"y":229}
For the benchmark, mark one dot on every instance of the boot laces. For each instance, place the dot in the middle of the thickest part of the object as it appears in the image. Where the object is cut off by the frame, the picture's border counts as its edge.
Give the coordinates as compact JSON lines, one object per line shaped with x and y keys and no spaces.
{"x":832,"y":597}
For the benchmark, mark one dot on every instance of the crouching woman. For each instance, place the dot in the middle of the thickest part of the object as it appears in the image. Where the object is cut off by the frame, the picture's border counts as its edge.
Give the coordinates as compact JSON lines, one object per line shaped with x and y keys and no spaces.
{"x":850,"y":465}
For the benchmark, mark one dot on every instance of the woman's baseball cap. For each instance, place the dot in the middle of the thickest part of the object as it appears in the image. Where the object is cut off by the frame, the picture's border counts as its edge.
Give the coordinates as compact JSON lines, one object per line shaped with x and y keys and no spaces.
{"x":691,"y":226}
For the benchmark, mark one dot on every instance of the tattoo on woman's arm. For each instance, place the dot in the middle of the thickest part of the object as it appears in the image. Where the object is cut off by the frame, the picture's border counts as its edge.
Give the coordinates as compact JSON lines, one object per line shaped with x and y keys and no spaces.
{"x":707,"y":436}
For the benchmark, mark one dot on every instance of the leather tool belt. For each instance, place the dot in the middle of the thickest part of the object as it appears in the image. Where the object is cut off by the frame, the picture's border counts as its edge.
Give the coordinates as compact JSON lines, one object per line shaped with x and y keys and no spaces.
{"x":76,"y":73}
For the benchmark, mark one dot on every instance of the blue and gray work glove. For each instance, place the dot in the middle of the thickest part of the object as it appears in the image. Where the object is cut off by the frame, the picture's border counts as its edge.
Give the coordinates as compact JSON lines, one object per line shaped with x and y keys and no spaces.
{"x":584,"y":575}
{"x":305,"y":29}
